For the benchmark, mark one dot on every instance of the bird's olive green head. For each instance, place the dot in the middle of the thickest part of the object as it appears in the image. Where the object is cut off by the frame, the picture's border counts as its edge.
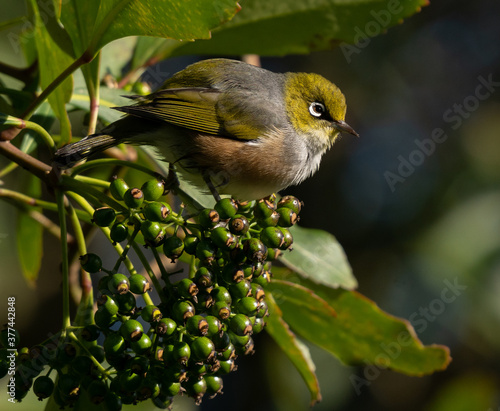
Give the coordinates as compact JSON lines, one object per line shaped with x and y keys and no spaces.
{"x":315,"y":107}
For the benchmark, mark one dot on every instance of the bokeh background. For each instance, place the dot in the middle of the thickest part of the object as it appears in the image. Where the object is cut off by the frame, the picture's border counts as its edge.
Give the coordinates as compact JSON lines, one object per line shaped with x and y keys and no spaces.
{"x":419,"y":221}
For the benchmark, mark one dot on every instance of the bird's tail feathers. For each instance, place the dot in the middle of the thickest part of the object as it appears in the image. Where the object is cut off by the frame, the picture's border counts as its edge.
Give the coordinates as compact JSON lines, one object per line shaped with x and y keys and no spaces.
{"x":71,"y":154}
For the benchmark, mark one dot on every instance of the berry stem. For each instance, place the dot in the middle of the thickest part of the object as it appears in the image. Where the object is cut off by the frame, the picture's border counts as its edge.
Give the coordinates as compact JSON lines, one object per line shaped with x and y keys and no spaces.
{"x":84,"y":311}
{"x":82,"y":202}
{"x":114,"y":162}
{"x":147,"y":299}
{"x":65,"y":263}
{"x":164,"y":273}
{"x":148,"y":269}
{"x":123,"y":255}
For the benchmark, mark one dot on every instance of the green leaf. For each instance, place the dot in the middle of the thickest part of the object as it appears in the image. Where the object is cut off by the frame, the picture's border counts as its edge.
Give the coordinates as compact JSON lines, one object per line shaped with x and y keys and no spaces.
{"x":361,"y":333}
{"x":29,"y":238}
{"x":178,"y":19}
{"x":279,"y":27}
{"x":53,"y":59}
{"x":317,"y":255}
{"x":296,"y":351}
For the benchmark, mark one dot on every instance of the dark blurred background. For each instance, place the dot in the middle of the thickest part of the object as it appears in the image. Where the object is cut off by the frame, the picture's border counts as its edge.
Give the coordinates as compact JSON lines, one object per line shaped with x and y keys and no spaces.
{"x":419,"y":218}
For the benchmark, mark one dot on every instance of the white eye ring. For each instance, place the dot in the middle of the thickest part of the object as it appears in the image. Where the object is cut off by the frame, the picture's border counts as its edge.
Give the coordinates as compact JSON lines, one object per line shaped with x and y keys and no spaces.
{"x":317,"y":109}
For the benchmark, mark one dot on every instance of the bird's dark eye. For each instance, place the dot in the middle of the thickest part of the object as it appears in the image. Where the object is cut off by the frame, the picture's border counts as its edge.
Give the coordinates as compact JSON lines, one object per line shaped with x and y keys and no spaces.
{"x":317,"y":109}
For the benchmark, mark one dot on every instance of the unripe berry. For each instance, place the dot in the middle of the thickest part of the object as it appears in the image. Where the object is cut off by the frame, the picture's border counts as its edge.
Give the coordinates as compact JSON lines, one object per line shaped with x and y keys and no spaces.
{"x":117,"y":188}
{"x":227,"y":208}
{"x":133,"y":197}
{"x":104,"y":216}
{"x":153,"y":189}
{"x":118,"y":232}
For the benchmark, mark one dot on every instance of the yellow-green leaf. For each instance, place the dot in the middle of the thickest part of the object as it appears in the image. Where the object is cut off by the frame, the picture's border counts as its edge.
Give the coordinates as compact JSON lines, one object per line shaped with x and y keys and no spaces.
{"x":360,"y":333}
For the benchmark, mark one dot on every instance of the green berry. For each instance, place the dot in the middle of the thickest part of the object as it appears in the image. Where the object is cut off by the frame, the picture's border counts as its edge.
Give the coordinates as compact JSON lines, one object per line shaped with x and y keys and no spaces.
{"x":239,"y":225}
{"x":118,"y":284}
{"x":104,"y":216}
{"x":226,"y":367}
{"x":203,"y":349}
{"x":227,"y":208}
{"x":158,"y":212}
{"x":112,"y":402}
{"x":292,"y":203}
{"x":126,"y":302}
{"x":221,"y":310}
{"x":43,"y":387}
{"x":228,"y":353}
{"x":139,"y":284}
{"x":255,"y":250}
{"x":97,"y":391}
{"x":141,"y":346}
{"x":172,"y":388}
{"x":182,"y":310}
{"x":263,"y":209}
{"x":150,"y":388}
{"x":118,"y":232}
{"x":114,"y":344}
{"x":272,"y":237}
{"x":133,"y":197}
{"x":222,"y":341}
{"x":205,"y":251}
{"x":214,"y":325}
{"x":104,"y":319}
{"x":288,"y":217}
{"x":262,"y":310}
{"x":262,"y":279}
{"x":196,"y":388}
{"x":248,"y":306}
{"x":203,"y":278}
{"x":106,"y":303}
{"x":258,"y":325}
{"x":222,"y":294}
{"x":269,"y":221}
{"x":90,"y":332}
{"x":232,"y":273}
{"x":214,"y":385}
{"x":131,"y":330}
{"x":181,"y":352}
{"x":166,"y":327}
{"x":287,"y":238}
{"x":240,"y":325}
{"x":153,"y":233}
{"x":173,"y":247}
{"x":153,"y":189}
{"x":223,"y":238}
{"x":117,"y":188}
{"x":140,"y":365}
{"x":197,"y":325}
{"x":258,"y":292}
{"x":129,"y":381}
{"x":190,"y":243}
{"x":208,"y":218}
{"x":151,"y":313}
{"x":187,"y":288}
{"x":91,"y":263}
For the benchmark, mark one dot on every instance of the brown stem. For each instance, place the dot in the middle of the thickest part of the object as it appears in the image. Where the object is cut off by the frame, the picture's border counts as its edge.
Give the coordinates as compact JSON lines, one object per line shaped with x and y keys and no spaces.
{"x":36,"y":167}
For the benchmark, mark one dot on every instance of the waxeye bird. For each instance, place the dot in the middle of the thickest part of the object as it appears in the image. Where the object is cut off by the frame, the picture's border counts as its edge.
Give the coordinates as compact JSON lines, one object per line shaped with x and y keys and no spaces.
{"x":240,"y":129}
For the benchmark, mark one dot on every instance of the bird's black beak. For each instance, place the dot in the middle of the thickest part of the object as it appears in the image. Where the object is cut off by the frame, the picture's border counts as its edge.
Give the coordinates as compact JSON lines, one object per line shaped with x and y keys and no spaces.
{"x":343,"y":127}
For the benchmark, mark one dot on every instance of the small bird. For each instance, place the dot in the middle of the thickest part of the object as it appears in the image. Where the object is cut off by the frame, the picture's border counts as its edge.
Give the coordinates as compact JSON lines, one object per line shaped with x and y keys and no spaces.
{"x":240,"y":129}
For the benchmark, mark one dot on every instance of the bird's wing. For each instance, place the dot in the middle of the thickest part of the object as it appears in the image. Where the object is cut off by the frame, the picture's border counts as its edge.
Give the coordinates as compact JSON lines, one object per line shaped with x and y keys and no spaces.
{"x":193,"y":108}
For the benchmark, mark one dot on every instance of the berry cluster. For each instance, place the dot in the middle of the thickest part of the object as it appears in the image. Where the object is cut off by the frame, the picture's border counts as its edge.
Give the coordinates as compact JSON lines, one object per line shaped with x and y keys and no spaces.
{"x":191,"y":337}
